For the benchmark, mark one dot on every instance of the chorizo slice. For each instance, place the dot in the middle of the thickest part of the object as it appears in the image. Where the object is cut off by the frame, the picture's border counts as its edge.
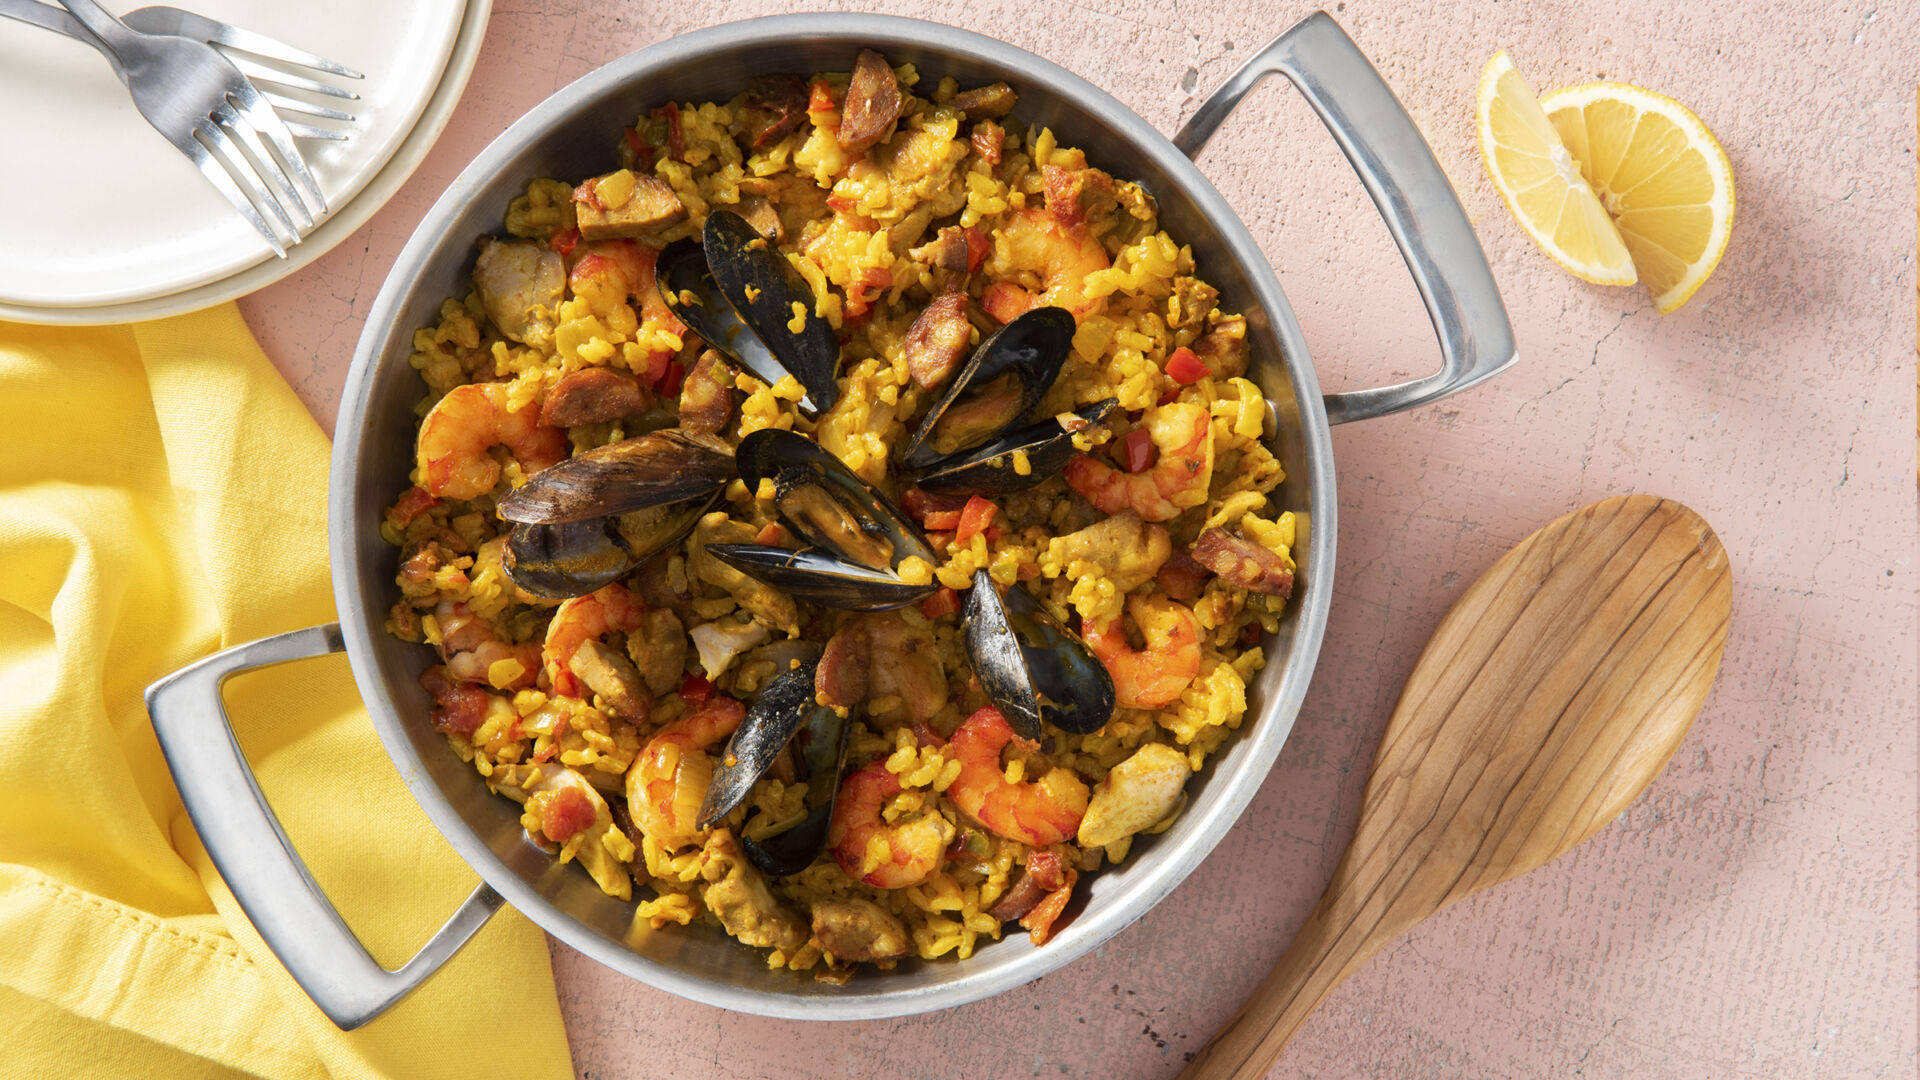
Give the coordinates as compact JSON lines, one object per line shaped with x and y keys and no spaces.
{"x":873,"y":103}
{"x":1242,"y":563}
{"x":775,"y":105}
{"x":992,"y":101}
{"x":938,"y":340}
{"x":592,"y":396}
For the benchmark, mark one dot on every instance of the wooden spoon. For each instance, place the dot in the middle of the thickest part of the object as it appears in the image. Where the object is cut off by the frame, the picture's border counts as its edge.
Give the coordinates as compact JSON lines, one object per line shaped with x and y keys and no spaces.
{"x":1551,"y":694}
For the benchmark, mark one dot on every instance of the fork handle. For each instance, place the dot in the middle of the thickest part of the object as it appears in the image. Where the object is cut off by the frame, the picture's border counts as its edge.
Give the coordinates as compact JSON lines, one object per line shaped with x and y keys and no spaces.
{"x":99,"y":22}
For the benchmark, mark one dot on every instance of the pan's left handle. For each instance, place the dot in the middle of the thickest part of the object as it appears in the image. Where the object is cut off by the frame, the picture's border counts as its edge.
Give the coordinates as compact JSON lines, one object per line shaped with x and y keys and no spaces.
{"x":1410,"y":190}
{"x":252,"y":851}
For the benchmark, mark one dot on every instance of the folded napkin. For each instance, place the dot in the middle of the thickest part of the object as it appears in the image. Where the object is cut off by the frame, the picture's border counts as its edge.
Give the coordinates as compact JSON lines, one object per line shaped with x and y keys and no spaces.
{"x":162,"y":496}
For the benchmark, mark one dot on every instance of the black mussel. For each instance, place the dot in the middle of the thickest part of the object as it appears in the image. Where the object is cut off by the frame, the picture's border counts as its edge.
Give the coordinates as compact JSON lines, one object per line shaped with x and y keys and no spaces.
{"x":1004,"y":378}
{"x":743,"y":298}
{"x":654,"y":469}
{"x":990,"y":469}
{"x":822,"y":579}
{"x":784,"y":714}
{"x":825,"y":504}
{"x":555,"y":562}
{"x":775,"y":715}
{"x":859,"y":538}
{"x":1032,"y":667}
{"x":689,"y":290}
{"x":820,"y":755}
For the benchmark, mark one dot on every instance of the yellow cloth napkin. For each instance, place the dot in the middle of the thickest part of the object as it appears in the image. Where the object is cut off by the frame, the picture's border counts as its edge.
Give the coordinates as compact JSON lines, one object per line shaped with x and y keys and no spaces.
{"x":162,"y":496}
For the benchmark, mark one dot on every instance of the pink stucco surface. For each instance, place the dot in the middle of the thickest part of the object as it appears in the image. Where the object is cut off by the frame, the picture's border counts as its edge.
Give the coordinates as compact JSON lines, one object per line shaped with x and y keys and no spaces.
{"x":1754,"y":914}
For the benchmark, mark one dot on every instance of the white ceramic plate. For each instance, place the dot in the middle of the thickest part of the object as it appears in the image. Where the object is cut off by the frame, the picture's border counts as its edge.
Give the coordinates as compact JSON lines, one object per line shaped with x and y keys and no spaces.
{"x":109,"y":223}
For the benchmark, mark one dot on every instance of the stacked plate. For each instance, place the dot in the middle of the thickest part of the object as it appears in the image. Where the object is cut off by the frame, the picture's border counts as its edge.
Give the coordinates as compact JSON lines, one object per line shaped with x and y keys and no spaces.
{"x":105,"y":222}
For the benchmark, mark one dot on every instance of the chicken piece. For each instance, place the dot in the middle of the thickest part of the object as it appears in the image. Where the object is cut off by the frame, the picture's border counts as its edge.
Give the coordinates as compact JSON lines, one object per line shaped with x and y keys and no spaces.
{"x":706,"y":396}
{"x":1127,"y":549}
{"x":612,"y":678}
{"x":719,"y":642}
{"x":520,"y":283}
{"x":947,"y":250}
{"x":761,"y":215}
{"x":1242,"y":563}
{"x":857,"y":931}
{"x":572,"y":814}
{"x":1223,"y":349}
{"x":1075,"y":195}
{"x":993,"y":100}
{"x":1191,"y":303}
{"x":775,"y":105}
{"x":650,"y":204}
{"x":658,"y":647}
{"x":905,"y":665}
{"x":592,"y":396}
{"x":873,"y":103}
{"x":765,"y":603}
{"x":939,"y":339}
{"x":1137,"y":793}
{"x":739,"y":897}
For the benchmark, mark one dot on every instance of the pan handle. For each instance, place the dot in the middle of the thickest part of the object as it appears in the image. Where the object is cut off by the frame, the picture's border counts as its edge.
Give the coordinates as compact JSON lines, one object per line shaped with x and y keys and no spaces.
{"x":1409,"y":188}
{"x":252,"y":851}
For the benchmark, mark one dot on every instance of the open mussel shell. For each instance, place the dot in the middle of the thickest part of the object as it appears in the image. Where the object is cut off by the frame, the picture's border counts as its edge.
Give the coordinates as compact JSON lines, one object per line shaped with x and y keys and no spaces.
{"x":826,"y":505}
{"x":573,"y":558}
{"x":690,"y":292}
{"x":555,"y":562}
{"x":654,"y":469}
{"x":1031,"y":348}
{"x":820,"y":756}
{"x":785,"y":712}
{"x":769,"y":296}
{"x":819,"y":578}
{"x":783,"y":705}
{"x":1030,"y":666}
{"x":990,"y":469}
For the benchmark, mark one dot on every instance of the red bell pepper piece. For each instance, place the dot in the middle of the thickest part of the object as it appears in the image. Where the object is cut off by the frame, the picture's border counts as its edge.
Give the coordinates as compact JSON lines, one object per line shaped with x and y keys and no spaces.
{"x":1184,"y":367}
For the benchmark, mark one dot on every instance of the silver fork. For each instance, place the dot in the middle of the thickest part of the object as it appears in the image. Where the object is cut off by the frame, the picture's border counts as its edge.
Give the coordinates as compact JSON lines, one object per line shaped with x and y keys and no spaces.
{"x":232,"y":40}
{"x":209,"y":111}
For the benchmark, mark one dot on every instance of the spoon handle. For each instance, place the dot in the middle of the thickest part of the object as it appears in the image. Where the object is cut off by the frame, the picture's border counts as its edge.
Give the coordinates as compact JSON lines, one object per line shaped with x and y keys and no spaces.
{"x":1353,"y":919}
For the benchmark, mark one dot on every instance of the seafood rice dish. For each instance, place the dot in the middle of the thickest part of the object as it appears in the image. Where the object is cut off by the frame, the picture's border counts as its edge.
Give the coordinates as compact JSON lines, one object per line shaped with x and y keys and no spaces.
{"x":847,"y":522}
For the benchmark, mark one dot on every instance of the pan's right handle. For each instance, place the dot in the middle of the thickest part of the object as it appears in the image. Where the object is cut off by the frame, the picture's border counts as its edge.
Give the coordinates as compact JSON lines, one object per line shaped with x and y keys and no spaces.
{"x":1409,"y":188}
{"x":252,"y":851}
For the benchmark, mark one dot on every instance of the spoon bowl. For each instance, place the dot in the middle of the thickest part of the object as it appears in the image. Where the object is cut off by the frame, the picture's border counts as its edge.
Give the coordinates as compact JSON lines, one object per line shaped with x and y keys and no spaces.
{"x":1549,"y":697}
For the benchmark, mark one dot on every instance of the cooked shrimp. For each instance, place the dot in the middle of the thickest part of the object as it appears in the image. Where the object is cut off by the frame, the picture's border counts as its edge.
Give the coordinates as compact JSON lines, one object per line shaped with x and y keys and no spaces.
{"x":668,"y":780}
{"x":868,"y":848}
{"x":472,"y":419}
{"x":1182,"y":434}
{"x":1157,"y":673}
{"x":1035,"y":241}
{"x":583,"y":619}
{"x":471,"y":650}
{"x":610,"y":272}
{"x":1035,"y":812}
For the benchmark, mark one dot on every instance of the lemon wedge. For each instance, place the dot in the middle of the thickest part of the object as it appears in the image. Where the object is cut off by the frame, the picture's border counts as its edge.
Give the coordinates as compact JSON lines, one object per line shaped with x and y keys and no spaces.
{"x":1541,"y":182}
{"x":1660,"y":174}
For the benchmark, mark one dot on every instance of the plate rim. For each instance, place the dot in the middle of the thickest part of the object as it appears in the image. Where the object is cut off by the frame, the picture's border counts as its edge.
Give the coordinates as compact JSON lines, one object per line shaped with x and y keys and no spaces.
{"x":385,"y":183}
